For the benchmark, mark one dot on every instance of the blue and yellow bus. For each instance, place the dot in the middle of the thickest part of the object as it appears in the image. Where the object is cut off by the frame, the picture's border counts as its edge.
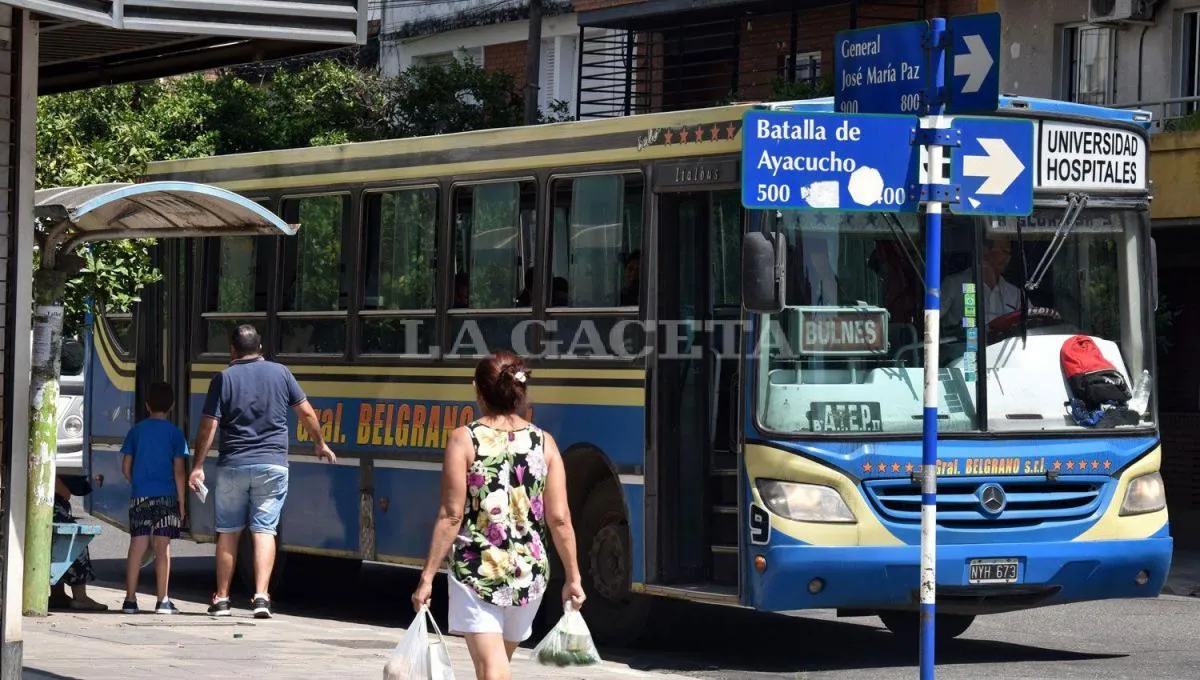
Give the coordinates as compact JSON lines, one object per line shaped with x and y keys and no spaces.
{"x":764,"y":460}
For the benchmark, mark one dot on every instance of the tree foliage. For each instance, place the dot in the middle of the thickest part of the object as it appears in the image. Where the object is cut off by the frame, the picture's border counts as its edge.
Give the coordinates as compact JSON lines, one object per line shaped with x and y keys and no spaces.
{"x":110,"y":134}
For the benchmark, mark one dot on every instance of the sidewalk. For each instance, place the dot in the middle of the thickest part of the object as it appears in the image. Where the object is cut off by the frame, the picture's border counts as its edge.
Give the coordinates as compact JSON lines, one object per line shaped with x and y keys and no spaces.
{"x":69,"y":646}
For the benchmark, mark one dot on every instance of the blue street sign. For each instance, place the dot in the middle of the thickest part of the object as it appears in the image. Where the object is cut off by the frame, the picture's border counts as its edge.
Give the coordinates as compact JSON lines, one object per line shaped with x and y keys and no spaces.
{"x":973,"y":78}
{"x":887,"y":69}
{"x":829,"y":161}
{"x":881,"y":70}
{"x":994,"y":166}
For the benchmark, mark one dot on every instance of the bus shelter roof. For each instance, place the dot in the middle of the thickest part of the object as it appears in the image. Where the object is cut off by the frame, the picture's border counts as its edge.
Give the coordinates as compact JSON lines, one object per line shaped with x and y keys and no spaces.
{"x":117,"y":210}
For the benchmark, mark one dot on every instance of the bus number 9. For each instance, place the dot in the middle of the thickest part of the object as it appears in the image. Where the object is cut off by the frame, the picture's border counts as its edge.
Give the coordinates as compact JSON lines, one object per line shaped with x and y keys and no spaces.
{"x":774,"y":193}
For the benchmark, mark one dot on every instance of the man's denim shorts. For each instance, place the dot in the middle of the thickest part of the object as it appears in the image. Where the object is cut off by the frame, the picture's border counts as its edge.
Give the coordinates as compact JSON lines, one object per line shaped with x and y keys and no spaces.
{"x":250,"y":495}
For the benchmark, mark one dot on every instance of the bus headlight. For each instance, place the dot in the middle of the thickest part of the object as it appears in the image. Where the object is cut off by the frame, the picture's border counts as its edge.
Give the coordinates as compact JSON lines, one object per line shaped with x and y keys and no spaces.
{"x":72,"y":427}
{"x":804,"y":502}
{"x":1145,"y":494}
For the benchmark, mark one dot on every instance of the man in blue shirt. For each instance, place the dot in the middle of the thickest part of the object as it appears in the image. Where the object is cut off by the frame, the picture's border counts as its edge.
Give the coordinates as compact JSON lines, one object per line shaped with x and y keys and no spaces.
{"x":249,"y":402}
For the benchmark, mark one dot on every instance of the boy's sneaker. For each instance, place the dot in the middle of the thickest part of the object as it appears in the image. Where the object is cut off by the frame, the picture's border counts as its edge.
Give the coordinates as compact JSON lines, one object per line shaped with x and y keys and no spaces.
{"x":220,"y":607}
{"x":165,"y":607}
{"x":129,"y":607}
{"x":262,"y":606}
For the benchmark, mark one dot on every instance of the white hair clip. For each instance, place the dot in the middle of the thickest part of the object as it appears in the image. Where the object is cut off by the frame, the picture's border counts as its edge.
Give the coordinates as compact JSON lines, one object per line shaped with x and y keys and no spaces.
{"x":520,"y":376}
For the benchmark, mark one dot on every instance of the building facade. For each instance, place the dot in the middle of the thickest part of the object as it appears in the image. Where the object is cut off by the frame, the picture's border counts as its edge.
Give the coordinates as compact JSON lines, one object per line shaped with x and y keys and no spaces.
{"x":622,"y":57}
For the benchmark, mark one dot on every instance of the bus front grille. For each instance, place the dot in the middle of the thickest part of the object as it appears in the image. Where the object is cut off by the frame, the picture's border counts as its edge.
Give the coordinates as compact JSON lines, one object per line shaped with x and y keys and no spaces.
{"x":960,"y":502}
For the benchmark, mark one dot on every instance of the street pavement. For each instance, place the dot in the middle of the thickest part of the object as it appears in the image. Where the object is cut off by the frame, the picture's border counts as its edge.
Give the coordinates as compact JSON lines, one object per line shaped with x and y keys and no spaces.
{"x":336,"y":627}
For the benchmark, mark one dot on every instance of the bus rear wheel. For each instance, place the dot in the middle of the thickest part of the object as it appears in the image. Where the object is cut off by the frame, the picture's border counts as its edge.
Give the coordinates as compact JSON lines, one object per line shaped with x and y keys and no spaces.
{"x":615,"y":614}
{"x":907,"y":625}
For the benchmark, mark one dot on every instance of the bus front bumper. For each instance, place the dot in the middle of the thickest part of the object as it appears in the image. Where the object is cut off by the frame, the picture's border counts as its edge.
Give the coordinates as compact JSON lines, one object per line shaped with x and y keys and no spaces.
{"x":872,"y":578}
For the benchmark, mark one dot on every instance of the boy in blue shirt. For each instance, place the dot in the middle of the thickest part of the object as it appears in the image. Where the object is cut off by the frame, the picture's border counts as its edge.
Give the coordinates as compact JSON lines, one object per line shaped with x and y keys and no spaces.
{"x":153,"y":461}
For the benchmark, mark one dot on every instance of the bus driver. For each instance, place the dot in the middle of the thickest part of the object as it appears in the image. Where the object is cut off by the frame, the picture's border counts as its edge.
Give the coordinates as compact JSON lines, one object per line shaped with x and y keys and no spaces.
{"x":998,"y":296}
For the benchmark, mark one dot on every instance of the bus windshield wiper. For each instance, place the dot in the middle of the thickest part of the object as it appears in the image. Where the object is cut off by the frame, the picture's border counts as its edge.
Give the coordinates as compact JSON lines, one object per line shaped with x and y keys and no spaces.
{"x":1075,"y":204}
{"x":899,"y":231}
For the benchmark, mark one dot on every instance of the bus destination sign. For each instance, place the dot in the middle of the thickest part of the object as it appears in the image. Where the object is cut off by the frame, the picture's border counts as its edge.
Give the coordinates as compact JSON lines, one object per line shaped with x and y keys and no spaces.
{"x":843,"y":330}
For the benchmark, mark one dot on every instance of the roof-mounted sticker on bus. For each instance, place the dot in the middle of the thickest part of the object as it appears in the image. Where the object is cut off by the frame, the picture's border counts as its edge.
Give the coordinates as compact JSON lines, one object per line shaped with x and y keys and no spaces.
{"x":1074,"y":157}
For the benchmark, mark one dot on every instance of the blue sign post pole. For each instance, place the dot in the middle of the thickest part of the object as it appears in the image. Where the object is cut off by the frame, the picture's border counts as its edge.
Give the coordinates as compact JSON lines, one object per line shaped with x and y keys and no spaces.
{"x":933,"y":308}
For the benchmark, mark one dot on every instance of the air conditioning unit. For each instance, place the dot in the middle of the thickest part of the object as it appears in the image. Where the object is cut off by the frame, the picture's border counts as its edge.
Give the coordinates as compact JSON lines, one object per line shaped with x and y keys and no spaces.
{"x":1120,"y":11}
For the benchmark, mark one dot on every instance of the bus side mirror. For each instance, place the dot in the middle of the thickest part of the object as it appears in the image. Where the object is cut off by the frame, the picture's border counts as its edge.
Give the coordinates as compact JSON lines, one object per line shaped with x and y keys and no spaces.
{"x":763,"y":272}
{"x":1154,"y":274}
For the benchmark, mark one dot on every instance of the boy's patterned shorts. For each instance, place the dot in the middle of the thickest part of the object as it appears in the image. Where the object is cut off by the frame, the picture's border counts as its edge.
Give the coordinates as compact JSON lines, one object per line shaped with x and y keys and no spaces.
{"x":154,"y":516}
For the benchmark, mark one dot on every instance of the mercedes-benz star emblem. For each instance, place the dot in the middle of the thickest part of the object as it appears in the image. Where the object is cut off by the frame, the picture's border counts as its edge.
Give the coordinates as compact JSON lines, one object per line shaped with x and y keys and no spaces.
{"x":992,"y":498}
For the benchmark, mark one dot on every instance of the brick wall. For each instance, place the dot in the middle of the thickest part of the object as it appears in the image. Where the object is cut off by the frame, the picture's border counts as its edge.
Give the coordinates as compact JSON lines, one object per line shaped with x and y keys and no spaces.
{"x":509,"y":58}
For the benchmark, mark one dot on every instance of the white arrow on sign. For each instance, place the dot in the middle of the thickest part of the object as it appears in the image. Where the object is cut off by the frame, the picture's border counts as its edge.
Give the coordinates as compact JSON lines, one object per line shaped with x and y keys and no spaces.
{"x":975,"y":64}
{"x":999,"y":165}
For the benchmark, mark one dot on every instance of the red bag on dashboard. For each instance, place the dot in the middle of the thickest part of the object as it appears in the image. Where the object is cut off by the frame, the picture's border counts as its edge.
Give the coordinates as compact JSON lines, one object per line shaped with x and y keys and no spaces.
{"x":1092,"y":378}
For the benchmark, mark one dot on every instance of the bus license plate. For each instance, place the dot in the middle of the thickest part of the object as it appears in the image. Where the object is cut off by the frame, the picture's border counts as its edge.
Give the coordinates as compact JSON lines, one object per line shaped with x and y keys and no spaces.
{"x":992,"y":570}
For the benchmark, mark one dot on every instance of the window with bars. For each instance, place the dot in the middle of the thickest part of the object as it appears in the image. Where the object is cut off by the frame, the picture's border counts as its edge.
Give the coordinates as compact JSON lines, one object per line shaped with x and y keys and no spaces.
{"x":807,"y":65}
{"x":1089,"y":59}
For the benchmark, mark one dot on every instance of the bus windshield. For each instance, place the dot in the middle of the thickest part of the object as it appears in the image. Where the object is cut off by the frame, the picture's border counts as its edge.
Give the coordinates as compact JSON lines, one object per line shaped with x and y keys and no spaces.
{"x":846,"y":353}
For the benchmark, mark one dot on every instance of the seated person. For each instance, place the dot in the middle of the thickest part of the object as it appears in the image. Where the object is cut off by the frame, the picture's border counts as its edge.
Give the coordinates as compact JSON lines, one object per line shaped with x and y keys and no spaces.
{"x":80,"y":572}
{"x":997,"y":295}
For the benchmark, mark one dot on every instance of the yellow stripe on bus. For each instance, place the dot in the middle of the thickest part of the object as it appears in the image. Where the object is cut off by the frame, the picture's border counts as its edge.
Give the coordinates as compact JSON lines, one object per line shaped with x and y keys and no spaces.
{"x":463,"y":140}
{"x":104,"y":352}
{"x":448,"y":372}
{"x":510,"y":165}
{"x":546,"y":394}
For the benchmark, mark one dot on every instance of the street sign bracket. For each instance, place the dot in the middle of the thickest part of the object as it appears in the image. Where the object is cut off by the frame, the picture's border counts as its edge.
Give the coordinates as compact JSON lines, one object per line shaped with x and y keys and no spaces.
{"x":940,"y":193}
{"x":937,"y":136}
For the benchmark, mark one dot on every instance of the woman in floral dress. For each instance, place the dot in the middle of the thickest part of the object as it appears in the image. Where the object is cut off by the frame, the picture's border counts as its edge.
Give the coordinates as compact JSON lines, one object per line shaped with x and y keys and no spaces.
{"x":503,"y":491}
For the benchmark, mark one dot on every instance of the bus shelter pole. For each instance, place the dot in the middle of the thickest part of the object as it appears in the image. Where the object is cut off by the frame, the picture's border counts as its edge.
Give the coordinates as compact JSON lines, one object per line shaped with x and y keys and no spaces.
{"x":933,"y":276}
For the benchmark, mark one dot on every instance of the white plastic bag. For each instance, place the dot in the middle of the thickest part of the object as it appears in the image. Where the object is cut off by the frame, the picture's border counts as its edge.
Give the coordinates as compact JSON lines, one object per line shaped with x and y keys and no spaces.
{"x":416,"y":657}
{"x":569,"y":644}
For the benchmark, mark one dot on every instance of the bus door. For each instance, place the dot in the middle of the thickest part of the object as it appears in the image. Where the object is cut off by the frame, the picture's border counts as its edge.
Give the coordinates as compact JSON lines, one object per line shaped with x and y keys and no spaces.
{"x":162,"y":331}
{"x":695,"y":381}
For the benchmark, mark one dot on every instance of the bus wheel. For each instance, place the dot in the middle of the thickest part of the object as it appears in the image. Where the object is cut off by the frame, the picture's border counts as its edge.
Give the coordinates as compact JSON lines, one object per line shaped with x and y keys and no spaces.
{"x":615,"y":615}
{"x":907,"y":625}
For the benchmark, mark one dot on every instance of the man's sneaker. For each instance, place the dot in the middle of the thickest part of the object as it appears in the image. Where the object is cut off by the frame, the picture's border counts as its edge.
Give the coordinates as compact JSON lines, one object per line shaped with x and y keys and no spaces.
{"x":220,"y":607}
{"x":129,"y":607}
{"x":165,"y":607}
{"x":262,"y":607}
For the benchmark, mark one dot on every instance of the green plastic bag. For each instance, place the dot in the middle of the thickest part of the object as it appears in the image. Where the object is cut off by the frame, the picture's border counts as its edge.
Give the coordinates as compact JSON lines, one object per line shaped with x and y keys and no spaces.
{"x":569,"y":644}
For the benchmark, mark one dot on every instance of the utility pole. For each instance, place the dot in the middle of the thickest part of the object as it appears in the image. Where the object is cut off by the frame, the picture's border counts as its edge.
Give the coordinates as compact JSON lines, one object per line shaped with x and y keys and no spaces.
{"x":533,"y":61}
{"x":49,"y":284}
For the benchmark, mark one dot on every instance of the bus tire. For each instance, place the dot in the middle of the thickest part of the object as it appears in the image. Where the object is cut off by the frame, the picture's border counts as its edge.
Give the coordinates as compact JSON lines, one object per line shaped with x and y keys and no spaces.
{"x":245,"y":563}
{"x":907,"y":625}
{"x":614,"y":613}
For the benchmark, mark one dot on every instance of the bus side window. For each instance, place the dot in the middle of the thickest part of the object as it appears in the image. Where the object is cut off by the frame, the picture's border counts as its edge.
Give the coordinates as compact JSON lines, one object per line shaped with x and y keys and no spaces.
{"x":400,"y":271}
{"x":494,"y":235}
{"x":315,"y":291}
{"x":237,"y":270}
{"x":595,"y":254}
